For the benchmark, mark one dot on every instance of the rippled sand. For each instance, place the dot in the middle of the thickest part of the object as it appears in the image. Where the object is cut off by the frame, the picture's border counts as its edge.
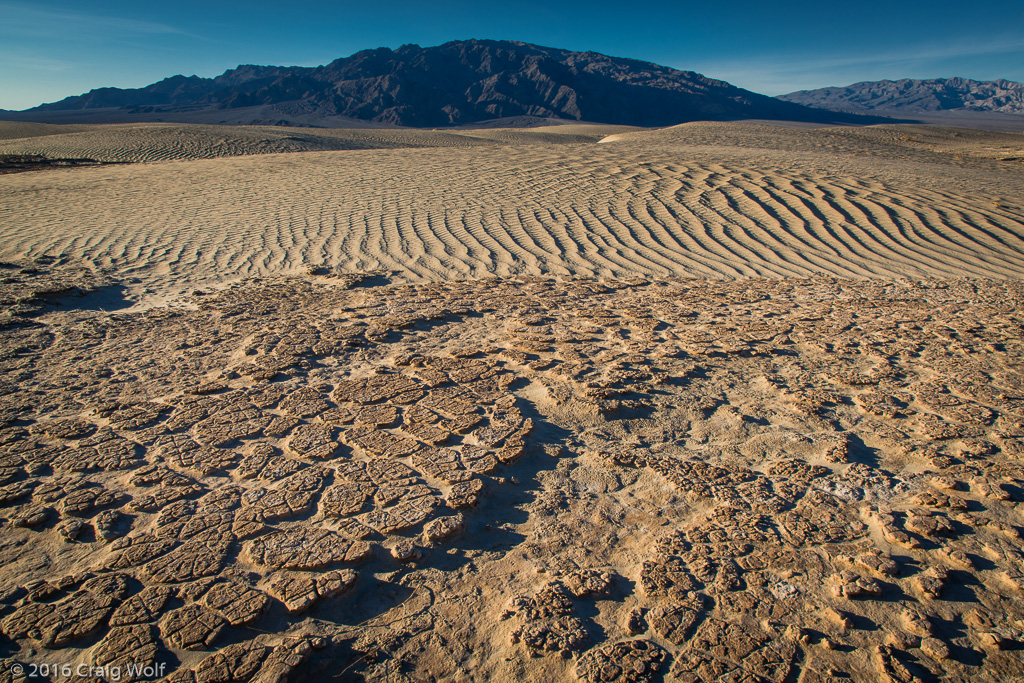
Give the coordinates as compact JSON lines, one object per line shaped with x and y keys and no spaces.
{"x":715,"y":200}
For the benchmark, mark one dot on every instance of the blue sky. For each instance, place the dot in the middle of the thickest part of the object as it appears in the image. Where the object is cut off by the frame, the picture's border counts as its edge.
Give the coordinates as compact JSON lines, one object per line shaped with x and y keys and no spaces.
{"x":52,"y":49}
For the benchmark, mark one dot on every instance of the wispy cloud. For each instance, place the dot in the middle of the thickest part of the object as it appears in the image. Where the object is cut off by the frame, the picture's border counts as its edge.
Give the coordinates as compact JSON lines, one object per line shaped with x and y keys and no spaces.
{"x":27,"y":21}
{"x":18,"y":59}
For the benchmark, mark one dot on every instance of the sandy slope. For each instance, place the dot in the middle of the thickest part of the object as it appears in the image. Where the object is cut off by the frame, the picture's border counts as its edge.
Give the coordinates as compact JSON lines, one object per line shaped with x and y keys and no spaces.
{"x":720,"y":200}
{"x":154,"y":142}
{"x":904,"y":142}
{"x":19,"y":130}
{"x":150,"y":142}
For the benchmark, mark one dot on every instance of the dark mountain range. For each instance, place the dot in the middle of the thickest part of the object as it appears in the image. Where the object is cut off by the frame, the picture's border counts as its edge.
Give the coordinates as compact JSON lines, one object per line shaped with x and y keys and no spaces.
{"x":908,"y":97}
{"x":456,"y":83}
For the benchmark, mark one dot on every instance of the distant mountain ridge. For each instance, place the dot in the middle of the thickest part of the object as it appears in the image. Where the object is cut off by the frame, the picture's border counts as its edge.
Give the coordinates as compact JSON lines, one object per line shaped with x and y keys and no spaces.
{"x":908,"y":96}
{"x":462,"y":82}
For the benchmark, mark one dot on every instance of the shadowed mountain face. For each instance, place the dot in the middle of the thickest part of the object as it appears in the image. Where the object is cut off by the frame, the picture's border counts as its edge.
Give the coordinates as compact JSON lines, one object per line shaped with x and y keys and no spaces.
{"x":463,"y":82}
{"x":908,"y":96}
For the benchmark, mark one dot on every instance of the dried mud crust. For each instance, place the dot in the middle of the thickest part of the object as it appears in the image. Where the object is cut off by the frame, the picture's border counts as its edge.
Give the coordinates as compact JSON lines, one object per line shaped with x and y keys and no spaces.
{"x":758,"y":480}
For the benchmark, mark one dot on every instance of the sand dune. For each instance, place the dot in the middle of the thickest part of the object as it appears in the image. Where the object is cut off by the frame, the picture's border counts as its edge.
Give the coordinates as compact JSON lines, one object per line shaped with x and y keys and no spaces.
{"x":718,"y":200}
{"x":152,"y":142}
{"x":904,"y":142}
{"x":565,"y":133}
{"x":155,"y":142}
{"x":15,"y":130}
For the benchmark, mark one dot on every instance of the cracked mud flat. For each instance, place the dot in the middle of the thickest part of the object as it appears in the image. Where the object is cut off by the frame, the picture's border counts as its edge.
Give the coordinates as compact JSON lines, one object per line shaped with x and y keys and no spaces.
{"x":312,"y":478}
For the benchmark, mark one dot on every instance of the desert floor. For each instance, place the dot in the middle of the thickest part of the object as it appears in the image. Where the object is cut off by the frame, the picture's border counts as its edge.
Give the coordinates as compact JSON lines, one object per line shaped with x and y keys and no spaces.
{"x":719,"y":401}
